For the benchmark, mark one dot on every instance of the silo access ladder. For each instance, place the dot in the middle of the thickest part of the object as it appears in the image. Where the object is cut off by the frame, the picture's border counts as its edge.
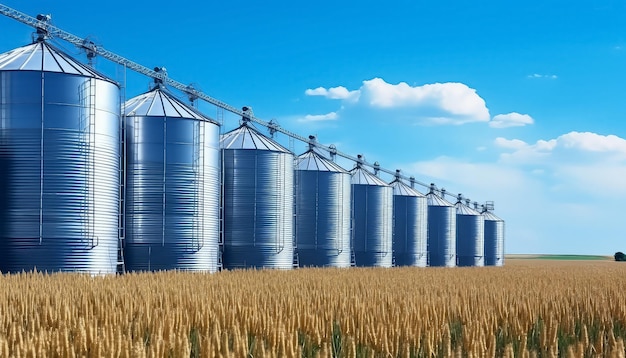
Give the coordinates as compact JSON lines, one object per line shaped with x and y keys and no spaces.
{"x":198,"y":233}
{"x":296,"y":258}
{"x":120,"y":266}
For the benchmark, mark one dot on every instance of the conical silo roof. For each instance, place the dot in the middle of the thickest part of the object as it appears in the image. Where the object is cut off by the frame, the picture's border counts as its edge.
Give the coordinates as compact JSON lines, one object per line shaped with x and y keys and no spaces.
{"x":436,"y":200}
{"x":246,"y":137}
{"x":463,"y":209}
{"x":311,"y":160}
{"x":41,"y":56}
{"x":362,"y":176}
{"x":160,"y":103}
{"x":401,"y":189}
{"x":491,"y":216}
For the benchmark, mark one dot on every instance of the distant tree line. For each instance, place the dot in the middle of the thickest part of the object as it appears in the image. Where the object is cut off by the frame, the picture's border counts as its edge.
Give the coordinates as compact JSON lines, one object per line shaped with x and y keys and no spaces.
{"x":619,"y":256}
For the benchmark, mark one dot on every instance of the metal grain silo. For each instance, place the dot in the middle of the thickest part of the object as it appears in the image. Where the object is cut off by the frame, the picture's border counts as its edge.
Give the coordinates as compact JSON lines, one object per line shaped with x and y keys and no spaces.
{"x":60,"y":129}
{"x":441,"y":230}
{"x":372,"y":219}
{"x":494,"y":238}
{"x":257,"y":201}
{"x":470,"y":235}
{"x":410,"y":226}
{"x":322,"y":195}
{"x":172,"y":185}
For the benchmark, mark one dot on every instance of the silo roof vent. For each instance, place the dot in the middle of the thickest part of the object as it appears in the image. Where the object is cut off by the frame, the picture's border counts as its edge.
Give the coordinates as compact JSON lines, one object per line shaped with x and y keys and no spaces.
{"x":437,"y":200}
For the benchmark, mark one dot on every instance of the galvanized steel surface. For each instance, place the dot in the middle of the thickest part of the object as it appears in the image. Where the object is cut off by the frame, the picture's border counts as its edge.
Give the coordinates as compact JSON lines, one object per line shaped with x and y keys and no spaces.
{"x":322,"y":194}
{"x":441,"y":232}
{"x":494,"y":240}
{"x":247,"y":137}
{"x":258,"y":201}
{"x":410,"y":225}
{"x":313,"y":161}
{"x":160,"y":103}
{"x":172,"y":186}
{"x":372,"y":220}
{"x":60,"y":145}
{"x":43,"y":57}
{"x":470,"y":236}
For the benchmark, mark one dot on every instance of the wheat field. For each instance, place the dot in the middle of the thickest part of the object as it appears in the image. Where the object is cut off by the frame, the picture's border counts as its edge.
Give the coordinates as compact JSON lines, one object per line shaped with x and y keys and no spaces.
{"x":528,"y":308}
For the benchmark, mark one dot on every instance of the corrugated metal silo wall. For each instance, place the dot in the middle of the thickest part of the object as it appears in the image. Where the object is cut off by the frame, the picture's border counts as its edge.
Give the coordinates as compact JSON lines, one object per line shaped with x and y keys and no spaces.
{"x":323,"y":218}
{"x":441,"y":236}
{"x":470,"y":233}
{"x":372,"y":225}
{"x":258,"y":209}
{"x":172,"y":194}
{"x":5,"y":167}
{"x":410,"y":230}
{"x":61,"y":148}
{"x":494,"y":242}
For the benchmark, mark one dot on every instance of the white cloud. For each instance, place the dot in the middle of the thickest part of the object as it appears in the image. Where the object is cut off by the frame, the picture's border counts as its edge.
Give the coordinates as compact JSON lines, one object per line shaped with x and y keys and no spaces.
{"x":437,"y":103}
{"x":320,"y":117}
{"x":512,"y":119}
{"x":319,"y":91}
{"x":578,"y":161}
{"x":456,"y":99}
{"x":565,"y":196}
{"x":510,"y":143}
{"x":593,"y":142}
{"x":537,"y":75}
{"x":524,"y":153}
{"x":570,"y":147}
{"x":339,"y":92}
{"x":440,"y":121}
{"x":449,"y":103}
{"x":545,"y":145}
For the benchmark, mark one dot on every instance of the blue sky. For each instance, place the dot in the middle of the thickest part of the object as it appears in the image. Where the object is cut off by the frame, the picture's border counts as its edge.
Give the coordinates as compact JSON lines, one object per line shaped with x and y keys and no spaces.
{"x":518,"y":103}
